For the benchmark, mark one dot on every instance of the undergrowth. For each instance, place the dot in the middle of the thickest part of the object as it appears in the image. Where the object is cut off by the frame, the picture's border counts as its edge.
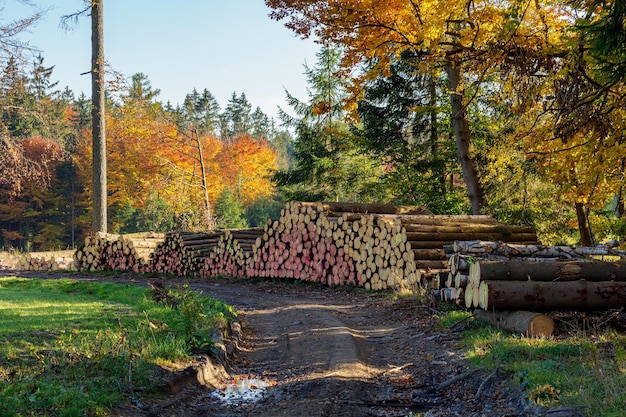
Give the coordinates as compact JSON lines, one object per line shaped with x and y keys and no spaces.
{"x":586,"y":371}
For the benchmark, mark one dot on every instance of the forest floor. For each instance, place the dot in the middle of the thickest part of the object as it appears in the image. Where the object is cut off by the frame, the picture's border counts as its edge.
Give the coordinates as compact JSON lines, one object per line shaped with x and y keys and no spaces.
{"x":337,"y":352}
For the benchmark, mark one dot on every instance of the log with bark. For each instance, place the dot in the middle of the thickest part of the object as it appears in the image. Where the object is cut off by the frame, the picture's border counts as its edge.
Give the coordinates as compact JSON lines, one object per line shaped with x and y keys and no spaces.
{"x":481,"y":248}
{"x":547,"y":271}
{"x":527,"y":323}
{"x":546,"y":296}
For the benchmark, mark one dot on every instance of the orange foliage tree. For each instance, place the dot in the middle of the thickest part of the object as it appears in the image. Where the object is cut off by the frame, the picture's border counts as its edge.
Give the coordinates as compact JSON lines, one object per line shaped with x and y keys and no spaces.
{"x":246,"y":165}
{"x":148,"y":156}
{"x":31,"y":212}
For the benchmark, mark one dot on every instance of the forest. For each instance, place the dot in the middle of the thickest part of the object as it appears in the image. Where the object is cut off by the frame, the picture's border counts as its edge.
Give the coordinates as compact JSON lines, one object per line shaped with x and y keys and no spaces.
{"x":513,"y":109}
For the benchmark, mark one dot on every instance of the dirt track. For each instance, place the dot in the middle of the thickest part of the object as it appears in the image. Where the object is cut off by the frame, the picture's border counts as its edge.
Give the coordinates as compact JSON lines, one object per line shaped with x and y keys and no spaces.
{"x":341,"y":353}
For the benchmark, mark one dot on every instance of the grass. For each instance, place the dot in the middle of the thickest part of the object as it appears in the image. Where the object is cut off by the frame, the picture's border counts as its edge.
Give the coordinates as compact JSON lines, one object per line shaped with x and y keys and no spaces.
{"x":70,"y":348}
{"x":585,"y":371}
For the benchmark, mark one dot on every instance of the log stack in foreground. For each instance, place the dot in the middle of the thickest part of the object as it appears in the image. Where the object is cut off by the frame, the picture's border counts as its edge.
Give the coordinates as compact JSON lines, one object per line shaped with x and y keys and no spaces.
{"x":499,"y":276}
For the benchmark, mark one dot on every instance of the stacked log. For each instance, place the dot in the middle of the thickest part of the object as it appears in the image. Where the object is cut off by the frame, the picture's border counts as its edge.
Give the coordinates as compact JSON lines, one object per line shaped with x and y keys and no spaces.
{"x":497,"y":276}
{"x":176,"y":255}
{"x":129,"y":252}
{"x":375,"y":246}
{"x":337,"y":244}
{"x":41,"y":261}
{"x":231,"y":254}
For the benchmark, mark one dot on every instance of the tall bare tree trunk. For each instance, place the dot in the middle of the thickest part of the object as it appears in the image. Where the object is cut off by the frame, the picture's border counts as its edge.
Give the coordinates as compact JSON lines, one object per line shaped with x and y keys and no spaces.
{"x":97,"y":114}
{"x":463,"y":140}
{"x":209,"y":223}
{"x":583,"y":225}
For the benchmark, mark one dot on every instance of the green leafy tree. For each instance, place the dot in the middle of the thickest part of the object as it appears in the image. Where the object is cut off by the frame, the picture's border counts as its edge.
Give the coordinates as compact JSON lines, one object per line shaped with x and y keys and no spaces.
{"x":229,"y":211}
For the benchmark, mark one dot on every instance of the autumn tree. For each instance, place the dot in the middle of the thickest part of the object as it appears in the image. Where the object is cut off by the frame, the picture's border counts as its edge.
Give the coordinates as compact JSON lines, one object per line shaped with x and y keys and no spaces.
{"x":245,"y":165}
{"x":466,"y":40}
{"x":35,"y":217}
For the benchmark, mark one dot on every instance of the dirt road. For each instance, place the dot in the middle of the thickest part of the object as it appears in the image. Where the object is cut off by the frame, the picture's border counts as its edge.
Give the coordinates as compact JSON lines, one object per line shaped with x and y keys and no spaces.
{"x":343,"y":353}
{"x":336,"y":352}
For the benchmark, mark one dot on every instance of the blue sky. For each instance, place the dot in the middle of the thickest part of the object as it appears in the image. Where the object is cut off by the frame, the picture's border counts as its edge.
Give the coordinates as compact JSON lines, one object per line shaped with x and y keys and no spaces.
{"x":221,"y":45}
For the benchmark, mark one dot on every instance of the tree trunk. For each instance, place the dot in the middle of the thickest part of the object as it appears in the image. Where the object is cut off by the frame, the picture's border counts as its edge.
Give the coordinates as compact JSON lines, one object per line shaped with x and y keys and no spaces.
{"x":583,"y":225}
{"x":209,"y":223}
{"x":463,"y":139}
{"x":524,"y":322}
{"x":545,"y":296}
{"x":97,"y":124}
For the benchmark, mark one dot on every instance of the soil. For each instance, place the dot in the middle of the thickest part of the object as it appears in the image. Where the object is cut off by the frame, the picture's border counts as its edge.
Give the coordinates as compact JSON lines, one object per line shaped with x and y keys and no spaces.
{"x":340,"y":352}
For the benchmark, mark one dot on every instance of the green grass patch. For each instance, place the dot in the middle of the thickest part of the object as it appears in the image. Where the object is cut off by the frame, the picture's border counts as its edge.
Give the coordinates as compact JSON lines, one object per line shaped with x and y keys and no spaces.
{"x":586,"y":372}
{"x":76,"y":348}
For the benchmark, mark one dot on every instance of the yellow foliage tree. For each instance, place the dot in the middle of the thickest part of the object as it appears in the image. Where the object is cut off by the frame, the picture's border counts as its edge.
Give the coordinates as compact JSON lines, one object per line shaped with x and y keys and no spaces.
{"x":468,"y":40}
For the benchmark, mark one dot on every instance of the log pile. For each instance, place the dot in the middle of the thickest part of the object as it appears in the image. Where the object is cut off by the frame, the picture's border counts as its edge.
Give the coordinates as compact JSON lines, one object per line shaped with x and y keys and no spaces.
{"x":130,"y":252}
{"x":175,"y":255}
{"x":338,"y":244}
{"x":45,"y":261}
{"x":500,"y":276}
{"x":231,"y":254}
{"x":431,"y":239}
{"x":374,"y":246}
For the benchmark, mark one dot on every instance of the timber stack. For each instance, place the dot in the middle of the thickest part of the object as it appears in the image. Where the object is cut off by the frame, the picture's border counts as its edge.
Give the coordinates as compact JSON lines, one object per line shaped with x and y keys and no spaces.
{"x":375,"y":246}
{"x":338,"y":244}
{"x":178,"y":254}
{"x":28,"y":263}
{"x":491,"y":275}
{"x":231,"y":253}
{"x":129,"y":252}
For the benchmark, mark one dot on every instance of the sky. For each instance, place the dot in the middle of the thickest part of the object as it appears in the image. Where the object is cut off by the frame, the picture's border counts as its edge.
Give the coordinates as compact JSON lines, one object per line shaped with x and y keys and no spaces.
{"x":224,"y":46}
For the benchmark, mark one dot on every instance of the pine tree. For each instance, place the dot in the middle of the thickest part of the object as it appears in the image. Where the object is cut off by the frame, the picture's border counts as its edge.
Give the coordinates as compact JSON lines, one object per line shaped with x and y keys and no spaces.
{"x":326,"y":162}
{"x":403,"y":124}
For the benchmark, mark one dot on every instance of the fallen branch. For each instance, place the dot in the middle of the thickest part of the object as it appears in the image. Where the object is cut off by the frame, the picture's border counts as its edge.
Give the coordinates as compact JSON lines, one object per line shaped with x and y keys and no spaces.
{"x":397,"y":369}
{"x":491,"y":375}
{"x":457,"y":378}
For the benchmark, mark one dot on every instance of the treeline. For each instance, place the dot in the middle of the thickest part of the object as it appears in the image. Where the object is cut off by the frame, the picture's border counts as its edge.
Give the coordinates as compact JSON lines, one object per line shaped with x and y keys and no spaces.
{"x":529,"y":131}
{"x":193,"y":166}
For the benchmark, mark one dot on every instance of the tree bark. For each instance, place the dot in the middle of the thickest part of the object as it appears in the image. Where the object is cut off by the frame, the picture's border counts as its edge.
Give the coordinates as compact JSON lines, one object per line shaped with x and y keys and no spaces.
{"x":524,"y":322}
{"x":99,"y":221}
{"x":583,"y":225}
{"x":545,"y":296}
{"x":463,"y":140}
